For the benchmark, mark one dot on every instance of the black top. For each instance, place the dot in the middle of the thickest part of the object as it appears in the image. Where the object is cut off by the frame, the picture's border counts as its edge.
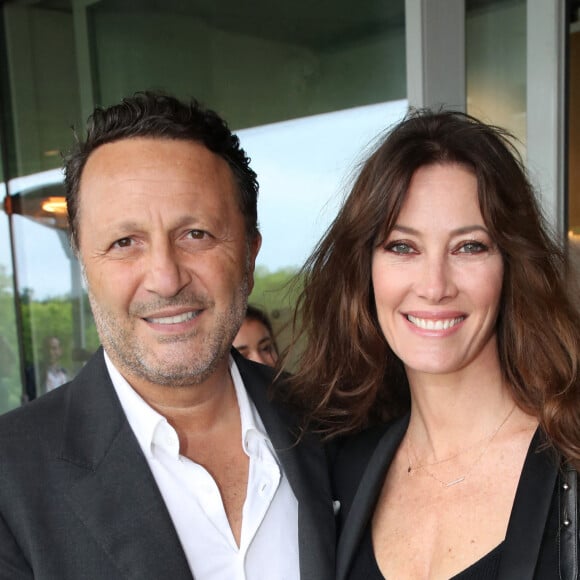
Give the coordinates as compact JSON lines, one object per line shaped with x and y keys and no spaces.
{"x":365,"y":564}
{"x":542,"y":537}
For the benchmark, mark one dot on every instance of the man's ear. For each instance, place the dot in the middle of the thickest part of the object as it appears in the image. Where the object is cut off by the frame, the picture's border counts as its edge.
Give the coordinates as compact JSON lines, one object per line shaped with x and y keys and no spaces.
{"x":253,"y":249}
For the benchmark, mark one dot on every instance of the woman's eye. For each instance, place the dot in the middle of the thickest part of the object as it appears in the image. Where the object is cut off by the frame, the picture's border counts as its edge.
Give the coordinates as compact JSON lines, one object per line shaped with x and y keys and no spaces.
{"x":399,"y":248}
{"x":472,"y":248}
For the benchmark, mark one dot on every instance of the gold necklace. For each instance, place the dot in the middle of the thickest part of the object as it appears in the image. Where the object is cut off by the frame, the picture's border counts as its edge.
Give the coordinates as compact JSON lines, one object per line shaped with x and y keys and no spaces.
{"x":461,"y":478}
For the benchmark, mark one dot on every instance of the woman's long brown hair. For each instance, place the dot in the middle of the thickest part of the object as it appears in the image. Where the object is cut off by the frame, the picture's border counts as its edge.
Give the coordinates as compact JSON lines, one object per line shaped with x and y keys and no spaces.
{"x":347,"y":377}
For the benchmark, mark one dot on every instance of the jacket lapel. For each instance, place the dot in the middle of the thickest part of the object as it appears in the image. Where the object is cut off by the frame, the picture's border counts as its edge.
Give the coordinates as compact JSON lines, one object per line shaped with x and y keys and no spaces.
{"x":529,"y":513}
{"x":527,"y":521}
{"x":364,"y":501}
{"x":111,"y":488}
{"x":305,"y":465}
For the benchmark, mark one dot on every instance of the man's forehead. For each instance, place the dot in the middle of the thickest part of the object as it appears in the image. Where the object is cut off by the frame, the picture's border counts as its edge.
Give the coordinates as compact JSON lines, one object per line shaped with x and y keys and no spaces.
{"x":157,"y":165}
{"x":159,"y":151}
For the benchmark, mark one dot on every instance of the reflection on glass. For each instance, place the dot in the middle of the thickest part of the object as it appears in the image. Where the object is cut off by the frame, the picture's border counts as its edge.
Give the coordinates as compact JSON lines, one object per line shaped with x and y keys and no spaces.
{"x":53,"y":305}
{"x":303,"y":167}
{"x":10,"y":381}
{"x":574,"y":154}
{"x":495,"y":47}
{"x":294,"y":64}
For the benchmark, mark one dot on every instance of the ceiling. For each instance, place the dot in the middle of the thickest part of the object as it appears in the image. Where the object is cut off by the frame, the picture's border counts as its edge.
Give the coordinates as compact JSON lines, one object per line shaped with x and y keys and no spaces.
{"x":314,"y":24}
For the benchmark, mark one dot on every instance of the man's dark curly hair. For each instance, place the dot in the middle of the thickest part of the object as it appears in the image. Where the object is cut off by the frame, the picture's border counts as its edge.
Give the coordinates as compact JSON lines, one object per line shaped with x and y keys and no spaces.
{"x":157,"y":115}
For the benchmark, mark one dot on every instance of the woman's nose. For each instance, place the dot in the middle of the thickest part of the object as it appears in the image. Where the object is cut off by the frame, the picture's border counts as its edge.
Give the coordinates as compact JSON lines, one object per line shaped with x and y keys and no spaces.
{"x":437,"y":280}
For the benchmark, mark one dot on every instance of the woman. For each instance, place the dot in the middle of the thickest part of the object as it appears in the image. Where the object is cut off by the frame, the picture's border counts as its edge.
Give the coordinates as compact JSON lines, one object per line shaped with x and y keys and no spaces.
{"x":255,"y":339}
{"x":434,"y":313}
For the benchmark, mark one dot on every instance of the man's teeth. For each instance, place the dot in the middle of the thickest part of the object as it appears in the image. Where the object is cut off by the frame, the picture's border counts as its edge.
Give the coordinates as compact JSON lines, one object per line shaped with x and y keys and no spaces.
{"x":174,"y":319}
{"x":429,"y":324}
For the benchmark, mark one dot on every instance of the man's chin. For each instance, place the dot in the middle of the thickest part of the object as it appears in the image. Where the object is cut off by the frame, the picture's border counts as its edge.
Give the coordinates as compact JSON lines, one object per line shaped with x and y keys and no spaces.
{"x":177,"y":371}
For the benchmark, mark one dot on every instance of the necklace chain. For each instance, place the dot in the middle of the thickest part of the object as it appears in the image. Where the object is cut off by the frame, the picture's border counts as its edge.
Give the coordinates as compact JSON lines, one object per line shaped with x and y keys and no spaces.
{"x":461,"y":478}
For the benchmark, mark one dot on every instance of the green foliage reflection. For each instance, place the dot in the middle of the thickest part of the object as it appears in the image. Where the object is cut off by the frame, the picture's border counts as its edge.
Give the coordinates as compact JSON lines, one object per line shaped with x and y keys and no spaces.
{"x":10,"y":386}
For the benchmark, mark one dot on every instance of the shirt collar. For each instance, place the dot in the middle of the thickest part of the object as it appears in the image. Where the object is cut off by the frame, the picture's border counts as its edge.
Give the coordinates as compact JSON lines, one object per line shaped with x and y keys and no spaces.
{"x":146,"y":422}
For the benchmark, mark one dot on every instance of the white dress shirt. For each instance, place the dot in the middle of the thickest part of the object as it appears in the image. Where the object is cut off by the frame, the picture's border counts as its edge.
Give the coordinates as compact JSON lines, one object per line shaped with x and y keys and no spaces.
{"x":268,"y":547}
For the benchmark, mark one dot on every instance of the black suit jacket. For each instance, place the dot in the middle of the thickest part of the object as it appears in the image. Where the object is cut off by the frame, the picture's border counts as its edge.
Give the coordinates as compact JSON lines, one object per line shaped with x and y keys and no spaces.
{"x":536,"y":530}
{"x":78,"y":500}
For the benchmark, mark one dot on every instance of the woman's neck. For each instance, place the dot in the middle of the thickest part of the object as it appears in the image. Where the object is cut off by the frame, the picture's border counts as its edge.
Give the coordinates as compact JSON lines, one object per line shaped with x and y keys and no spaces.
{"x":450,"y":412}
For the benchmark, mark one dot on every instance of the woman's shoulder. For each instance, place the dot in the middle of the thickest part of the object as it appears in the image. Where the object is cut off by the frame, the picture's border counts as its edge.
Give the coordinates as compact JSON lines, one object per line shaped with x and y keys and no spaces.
{"x":353,"y":453}
{"x":358,"y":448}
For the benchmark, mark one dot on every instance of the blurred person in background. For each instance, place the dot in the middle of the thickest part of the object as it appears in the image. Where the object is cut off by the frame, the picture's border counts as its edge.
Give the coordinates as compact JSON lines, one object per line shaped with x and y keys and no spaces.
{"x":255,"y":339}
{"x":54,"y":374}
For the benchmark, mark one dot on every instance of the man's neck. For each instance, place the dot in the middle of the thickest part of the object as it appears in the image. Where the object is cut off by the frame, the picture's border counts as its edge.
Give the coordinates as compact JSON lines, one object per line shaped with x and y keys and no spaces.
{"x":206,"y":418}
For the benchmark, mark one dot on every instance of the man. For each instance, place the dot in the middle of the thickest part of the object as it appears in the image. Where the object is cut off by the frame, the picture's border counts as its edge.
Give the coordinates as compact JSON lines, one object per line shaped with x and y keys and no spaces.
{"x":164,"y":458}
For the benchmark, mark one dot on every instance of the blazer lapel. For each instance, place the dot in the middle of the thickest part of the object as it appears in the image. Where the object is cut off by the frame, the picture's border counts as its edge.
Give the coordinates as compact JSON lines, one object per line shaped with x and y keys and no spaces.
{"x":112,"y":489}
{"x":527,"y":521}
{"x":529,"y":513}
{"x":305,"y":465}
{"x":366,"y":495}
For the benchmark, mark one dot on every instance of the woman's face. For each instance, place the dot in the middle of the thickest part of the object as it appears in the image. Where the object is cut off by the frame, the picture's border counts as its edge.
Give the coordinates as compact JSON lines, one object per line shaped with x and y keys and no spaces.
{"x":255,"y":342}
{"x":437,"y":278}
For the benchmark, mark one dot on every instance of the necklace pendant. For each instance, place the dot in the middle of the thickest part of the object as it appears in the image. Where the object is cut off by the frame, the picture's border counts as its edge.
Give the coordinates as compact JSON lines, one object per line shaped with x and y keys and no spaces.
{"x":454,"y":481}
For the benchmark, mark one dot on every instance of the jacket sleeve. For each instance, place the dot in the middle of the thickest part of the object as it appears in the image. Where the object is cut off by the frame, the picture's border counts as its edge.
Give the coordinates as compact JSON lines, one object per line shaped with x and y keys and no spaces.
{"x":13,"y":564}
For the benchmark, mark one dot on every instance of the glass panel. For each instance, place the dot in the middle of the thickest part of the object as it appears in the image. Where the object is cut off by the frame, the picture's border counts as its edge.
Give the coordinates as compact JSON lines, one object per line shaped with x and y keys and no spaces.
{"x":255,"y":63}
{"x":302,"y":182}
{"x":574,"y":154}
{"x":43,"y":83}
{"x":43,"y":91}
{"x":10,"y":381}
{"x":305,"y":83}
{"x":495,"y":52}
{"x":57,"y":335}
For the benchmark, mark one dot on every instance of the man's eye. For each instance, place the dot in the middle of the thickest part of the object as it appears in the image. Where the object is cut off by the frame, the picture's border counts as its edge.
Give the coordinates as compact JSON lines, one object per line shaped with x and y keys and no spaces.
{"x":197,"y":234}
{"x":122,"y":243}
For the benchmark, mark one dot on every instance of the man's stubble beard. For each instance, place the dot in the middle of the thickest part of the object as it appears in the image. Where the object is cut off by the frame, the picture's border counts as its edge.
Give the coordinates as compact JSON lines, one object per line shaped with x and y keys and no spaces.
{"x":134,"y":359}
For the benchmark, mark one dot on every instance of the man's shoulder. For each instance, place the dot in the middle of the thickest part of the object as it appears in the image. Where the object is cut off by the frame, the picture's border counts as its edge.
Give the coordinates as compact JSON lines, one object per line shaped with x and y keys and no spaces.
{"x":46,"y":414}
{"x":32,"y":429}
{"x":47,"y":405}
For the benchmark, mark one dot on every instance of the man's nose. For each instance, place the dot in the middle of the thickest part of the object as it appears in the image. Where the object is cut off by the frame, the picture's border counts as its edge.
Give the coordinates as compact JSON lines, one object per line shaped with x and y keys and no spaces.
{"x":166,"y":274}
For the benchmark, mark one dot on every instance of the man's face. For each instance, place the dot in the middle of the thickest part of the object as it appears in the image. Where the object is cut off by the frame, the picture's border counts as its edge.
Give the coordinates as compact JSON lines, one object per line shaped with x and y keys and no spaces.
{"x":166,"y":258}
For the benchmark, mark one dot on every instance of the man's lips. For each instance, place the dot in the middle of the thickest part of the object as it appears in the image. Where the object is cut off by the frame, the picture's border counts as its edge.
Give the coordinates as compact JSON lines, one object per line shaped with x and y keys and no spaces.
{"x":175,"y":319}
{"x":434,"y":323}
